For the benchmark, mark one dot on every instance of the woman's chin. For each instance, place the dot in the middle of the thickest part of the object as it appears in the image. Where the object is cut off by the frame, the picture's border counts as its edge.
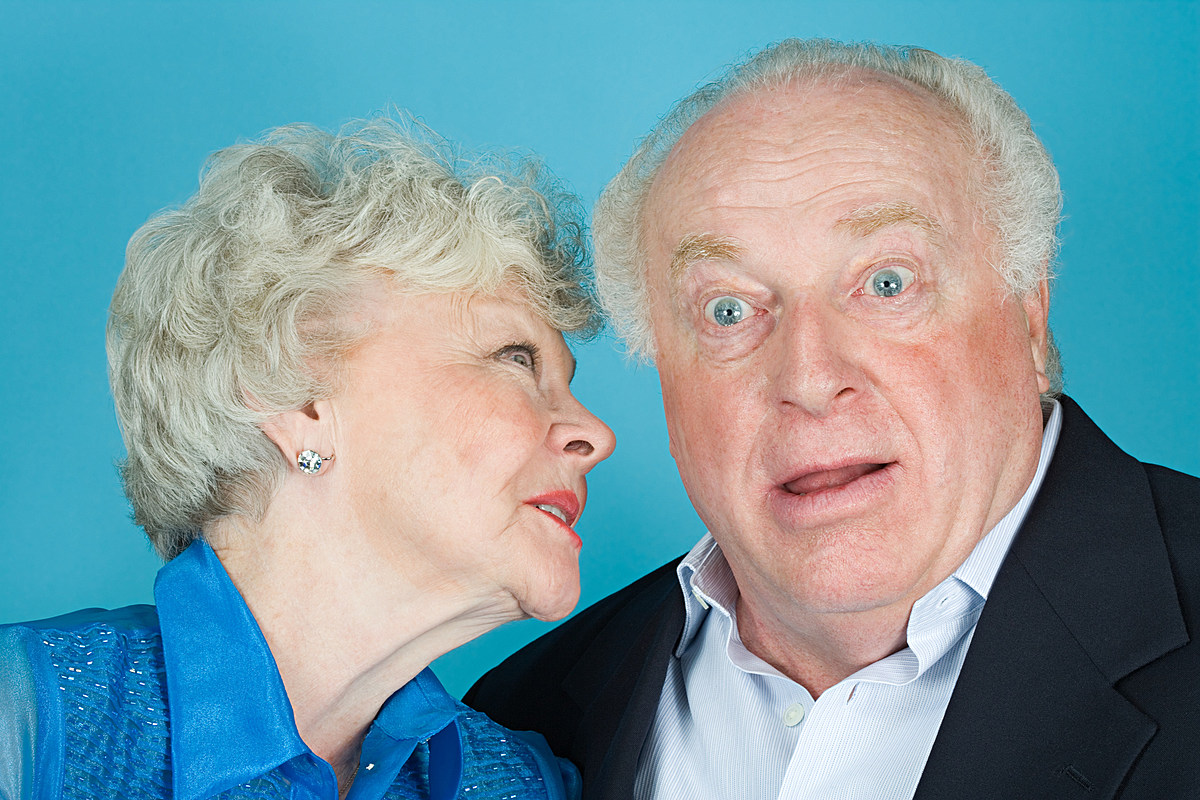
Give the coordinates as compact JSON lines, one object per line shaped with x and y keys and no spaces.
{"x":554,"y":603}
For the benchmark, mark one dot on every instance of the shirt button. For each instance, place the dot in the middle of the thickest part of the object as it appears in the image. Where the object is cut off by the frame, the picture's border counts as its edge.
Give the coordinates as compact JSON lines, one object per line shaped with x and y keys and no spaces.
{"x":793,"y":715}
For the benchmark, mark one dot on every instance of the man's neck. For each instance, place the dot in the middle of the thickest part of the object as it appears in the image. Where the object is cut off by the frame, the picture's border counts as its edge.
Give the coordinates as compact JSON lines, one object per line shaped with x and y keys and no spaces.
{"x":828,"y":652}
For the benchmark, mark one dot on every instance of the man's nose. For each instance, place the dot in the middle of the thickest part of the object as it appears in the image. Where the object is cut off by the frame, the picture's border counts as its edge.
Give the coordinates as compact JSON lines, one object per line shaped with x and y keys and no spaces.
{"x":815,"y":371}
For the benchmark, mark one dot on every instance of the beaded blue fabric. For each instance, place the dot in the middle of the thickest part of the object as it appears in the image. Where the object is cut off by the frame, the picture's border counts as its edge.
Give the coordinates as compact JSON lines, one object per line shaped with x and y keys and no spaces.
{"x":114,"y":710}
{"x":185,"y":701}
{"x":494,"y":766}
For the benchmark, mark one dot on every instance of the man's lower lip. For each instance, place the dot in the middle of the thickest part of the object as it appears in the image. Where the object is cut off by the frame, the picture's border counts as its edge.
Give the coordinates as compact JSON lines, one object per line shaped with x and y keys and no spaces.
{"x":834,"y":500}
{"x":845,"y":476}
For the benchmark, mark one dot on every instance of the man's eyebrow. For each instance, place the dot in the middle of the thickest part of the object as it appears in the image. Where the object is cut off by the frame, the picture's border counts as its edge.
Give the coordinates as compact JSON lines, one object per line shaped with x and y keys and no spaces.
{"x":699,"y":247}
{"x":869,"y":219}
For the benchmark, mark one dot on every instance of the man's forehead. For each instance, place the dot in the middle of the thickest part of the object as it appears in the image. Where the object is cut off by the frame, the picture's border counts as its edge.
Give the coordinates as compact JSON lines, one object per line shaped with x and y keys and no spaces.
{"x":810,"y":97}
{"x":773,"y":125}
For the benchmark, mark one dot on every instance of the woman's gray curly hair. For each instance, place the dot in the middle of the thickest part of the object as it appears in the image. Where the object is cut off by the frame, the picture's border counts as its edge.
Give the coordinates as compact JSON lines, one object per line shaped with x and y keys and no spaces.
{"x":235,"y":306}
{"x":1020,"y":191}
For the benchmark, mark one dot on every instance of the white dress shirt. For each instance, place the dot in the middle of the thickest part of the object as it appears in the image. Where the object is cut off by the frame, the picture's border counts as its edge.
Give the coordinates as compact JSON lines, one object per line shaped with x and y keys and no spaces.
{"x":731,"y":726}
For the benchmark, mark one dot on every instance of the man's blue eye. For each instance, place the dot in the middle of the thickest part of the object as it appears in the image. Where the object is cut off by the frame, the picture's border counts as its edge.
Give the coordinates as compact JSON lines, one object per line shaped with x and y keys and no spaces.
{"x":889,"y":281}
{"x":726,"y":310}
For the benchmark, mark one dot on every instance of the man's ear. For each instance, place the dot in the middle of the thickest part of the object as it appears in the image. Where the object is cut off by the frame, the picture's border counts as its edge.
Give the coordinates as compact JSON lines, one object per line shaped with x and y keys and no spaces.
{"x":1037,"y":317}
{"x":307,"y":428}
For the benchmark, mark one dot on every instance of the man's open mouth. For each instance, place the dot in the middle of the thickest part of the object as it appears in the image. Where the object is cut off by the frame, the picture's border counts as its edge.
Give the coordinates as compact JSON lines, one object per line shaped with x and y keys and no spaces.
{"x":824,"y":479}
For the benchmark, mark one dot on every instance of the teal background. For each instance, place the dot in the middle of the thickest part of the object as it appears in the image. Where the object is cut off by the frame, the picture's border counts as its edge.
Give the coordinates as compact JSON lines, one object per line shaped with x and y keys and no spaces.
{"x":107,"y":110}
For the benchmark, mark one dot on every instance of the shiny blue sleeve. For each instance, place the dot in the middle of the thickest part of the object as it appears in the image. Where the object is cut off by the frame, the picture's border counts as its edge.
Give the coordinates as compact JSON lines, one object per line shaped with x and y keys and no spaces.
{"x":562,"y":779}
{"x":572,"y":780}
{"x":18,"y":714}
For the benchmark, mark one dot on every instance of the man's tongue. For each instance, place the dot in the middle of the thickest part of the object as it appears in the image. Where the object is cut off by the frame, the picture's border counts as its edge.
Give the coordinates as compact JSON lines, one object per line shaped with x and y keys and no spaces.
{"x":828,"y":479}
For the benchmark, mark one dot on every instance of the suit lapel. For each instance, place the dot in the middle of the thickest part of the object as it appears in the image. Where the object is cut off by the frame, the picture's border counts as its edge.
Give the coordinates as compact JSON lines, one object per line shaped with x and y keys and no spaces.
{"x":1085,"y":597}
{"x":620,"y":699}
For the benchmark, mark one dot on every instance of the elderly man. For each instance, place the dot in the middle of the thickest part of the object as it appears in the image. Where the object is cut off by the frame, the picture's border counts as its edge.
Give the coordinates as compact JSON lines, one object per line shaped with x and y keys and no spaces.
{"x":925,"y":575}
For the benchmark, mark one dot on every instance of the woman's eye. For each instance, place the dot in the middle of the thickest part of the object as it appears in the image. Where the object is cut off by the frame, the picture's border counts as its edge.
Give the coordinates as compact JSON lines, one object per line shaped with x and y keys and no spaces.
{"x":889,"y":281}
{"x":523,"y":355}
{"x":726,"y":310}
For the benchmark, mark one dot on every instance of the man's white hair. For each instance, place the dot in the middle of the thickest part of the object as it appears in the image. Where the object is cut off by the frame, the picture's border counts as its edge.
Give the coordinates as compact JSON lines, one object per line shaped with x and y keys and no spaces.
{"x":236,"y":306}
{"x":1020,"y":196}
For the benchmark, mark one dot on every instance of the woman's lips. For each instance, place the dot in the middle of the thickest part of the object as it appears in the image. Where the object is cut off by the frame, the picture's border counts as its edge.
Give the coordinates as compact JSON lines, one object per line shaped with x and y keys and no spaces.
{"x":823,"y":479}
{"x":562,"y":505}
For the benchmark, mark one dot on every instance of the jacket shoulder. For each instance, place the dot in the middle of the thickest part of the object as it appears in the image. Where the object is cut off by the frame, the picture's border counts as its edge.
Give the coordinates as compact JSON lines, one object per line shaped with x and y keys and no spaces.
{"x":1176,"y":496}
{"x":526,"y":691}
{"x":1177,"y":504}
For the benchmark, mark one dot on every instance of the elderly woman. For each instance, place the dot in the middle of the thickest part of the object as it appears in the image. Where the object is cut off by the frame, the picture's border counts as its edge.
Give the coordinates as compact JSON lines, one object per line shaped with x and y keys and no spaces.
{"x":343,"y":387}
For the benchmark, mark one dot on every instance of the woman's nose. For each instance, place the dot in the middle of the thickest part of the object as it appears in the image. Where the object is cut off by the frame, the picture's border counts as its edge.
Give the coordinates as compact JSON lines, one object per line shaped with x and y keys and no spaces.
{"x":583,"y":434}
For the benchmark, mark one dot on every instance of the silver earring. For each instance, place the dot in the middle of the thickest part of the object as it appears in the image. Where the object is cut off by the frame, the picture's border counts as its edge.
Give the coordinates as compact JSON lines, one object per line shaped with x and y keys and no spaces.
{"x":310,"y":461}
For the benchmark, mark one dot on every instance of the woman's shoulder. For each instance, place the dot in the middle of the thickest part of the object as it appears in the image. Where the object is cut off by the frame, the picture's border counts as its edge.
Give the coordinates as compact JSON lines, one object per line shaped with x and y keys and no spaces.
{"x":87,"y":646}
{"x":18,"y":714}
{"x":498,"y":762}
{"x":117,"y":624}
{"x":78,"y":641}
{"x":73,"y":673}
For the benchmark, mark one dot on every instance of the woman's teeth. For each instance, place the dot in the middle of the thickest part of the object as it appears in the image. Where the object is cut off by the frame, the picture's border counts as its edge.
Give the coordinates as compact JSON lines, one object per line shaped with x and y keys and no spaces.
{"x":555,"y":510}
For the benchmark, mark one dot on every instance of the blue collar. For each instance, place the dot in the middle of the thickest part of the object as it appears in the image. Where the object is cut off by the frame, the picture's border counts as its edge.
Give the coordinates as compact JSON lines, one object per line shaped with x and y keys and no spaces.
{"x":231,"y":720}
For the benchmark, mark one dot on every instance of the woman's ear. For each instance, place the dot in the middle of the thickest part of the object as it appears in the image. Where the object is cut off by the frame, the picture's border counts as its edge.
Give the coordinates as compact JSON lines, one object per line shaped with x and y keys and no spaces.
{"x":304,"y":429}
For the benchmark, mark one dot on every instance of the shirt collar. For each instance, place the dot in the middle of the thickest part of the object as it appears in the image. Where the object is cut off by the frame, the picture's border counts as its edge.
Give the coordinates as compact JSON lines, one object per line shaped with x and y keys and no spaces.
{"x":703,"y":573}
{"x":231,"y":720}
{"x":420,"y":711}
{"x":707,"y":582}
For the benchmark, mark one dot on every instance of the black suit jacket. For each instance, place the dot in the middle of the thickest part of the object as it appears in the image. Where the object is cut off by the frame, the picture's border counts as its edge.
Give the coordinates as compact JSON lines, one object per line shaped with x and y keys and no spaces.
{"x":1082,"y":680}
